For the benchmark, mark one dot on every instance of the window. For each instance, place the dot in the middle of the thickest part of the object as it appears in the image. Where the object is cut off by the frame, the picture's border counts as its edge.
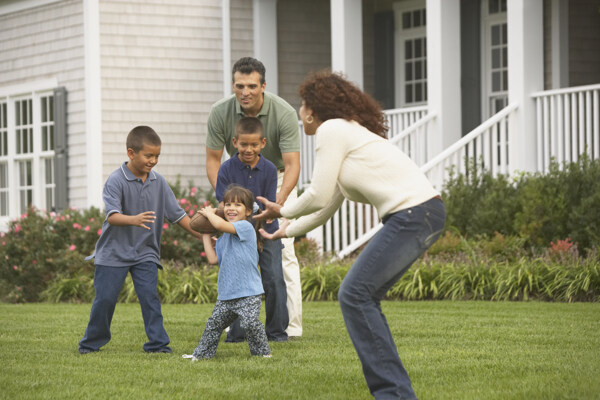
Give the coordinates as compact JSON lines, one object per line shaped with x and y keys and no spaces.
{"x":495,"y":53}
{"x":495,"y":65}
{"x":411,"y":53}
{"x":27,"y":153}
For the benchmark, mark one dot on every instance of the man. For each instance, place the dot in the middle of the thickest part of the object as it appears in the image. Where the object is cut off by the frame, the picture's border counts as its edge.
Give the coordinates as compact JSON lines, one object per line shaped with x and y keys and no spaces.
{"x":282,"y":149}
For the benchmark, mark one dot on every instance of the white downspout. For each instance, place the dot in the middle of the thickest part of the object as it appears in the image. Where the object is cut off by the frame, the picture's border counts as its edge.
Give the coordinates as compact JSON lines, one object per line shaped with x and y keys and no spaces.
{"x":226,"y":34}
{"x":93,"y":103}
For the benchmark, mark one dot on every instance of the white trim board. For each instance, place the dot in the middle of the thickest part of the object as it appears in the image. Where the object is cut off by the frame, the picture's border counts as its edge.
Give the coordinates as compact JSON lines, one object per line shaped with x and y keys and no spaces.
{"x":27,"y":88}
{"x":13,"y":6}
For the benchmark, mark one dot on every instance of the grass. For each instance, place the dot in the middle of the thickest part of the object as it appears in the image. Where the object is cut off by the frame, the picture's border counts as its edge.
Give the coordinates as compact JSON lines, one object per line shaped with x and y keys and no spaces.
{"x":452,"y":350}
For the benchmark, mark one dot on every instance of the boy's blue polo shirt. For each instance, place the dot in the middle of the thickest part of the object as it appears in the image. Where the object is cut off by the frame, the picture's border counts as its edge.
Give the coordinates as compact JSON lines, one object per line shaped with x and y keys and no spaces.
{"x":124,"y":193}
{"x":238,"y":263}
{"x":260,"y":180}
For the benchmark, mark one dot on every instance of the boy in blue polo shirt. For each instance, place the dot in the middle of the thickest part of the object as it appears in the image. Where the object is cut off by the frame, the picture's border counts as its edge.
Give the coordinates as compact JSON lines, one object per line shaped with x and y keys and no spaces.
{"x":136,"y":200}
{"x":249,"y":169}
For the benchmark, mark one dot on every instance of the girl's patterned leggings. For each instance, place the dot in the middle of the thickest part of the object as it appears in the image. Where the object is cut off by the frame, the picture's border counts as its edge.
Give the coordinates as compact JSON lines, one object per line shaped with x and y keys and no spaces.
{"x":223,"y":315}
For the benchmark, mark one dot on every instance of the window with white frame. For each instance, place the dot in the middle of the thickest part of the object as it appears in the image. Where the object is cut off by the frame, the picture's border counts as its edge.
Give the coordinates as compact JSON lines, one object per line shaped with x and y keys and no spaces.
{"x":27,"y":153}
{"x":495,"y":53}
{"x":411,"y":53}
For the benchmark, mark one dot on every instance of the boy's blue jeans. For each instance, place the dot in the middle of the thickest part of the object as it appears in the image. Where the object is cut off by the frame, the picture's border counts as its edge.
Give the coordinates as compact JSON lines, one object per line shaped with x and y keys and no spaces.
{"x":404,"y":237}
{"x":108,"y":282}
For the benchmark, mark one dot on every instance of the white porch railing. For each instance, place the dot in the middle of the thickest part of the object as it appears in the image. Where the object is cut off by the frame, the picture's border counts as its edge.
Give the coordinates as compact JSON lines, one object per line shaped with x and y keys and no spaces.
{"x":414,"y":140}
{"x":488,"y":144}
{"x":568,"y":124}
{"x":401,"y":118}
{"x":398,"y":122}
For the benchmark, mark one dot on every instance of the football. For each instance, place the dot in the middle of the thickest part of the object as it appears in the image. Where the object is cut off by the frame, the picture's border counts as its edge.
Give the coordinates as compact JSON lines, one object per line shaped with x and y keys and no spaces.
{"x":201,"y":224}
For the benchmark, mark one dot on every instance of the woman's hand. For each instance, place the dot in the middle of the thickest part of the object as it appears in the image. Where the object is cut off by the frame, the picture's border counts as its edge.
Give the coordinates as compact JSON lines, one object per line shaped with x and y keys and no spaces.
{"x":271,"y":211}
{"x":278,"y":234}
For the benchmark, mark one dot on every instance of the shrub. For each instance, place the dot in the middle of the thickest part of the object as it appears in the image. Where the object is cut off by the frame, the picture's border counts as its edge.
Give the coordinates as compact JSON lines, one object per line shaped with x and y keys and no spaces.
{"x":41,"y":247}
{"x":538,"y":207}
{"x":477,"y":203}
{"x":307,"y":251}
{"x":176,"y":243}
{"x":562,"y":203}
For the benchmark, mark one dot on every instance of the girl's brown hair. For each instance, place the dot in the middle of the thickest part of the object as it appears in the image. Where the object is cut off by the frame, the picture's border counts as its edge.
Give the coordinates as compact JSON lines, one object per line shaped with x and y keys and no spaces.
{"x":236,"y":193}
{"x":331,"y":96}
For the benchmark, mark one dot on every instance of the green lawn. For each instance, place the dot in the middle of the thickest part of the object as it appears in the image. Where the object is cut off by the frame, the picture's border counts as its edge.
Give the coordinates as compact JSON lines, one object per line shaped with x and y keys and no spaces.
{"x":452,"y":350}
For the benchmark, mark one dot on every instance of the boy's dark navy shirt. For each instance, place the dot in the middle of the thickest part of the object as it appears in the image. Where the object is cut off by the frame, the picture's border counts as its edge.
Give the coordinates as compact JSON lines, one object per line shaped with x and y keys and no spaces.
{"x":260,"y":180}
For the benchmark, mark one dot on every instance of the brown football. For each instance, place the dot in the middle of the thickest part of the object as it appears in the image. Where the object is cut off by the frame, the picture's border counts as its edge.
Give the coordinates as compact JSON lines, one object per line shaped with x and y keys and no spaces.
{"x":201,"y":224}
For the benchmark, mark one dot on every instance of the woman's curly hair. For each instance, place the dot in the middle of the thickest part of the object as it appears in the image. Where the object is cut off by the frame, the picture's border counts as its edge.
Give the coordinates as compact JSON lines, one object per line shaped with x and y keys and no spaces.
{"x":331,"y":96}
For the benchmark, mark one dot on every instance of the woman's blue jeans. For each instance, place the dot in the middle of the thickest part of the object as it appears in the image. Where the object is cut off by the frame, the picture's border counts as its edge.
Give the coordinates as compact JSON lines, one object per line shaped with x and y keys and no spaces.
{"x":404,"y":237}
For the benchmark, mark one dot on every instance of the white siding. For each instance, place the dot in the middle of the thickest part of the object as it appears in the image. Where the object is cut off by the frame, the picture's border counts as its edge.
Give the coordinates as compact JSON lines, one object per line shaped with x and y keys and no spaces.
{"x":46,"y":42}
{"x":242,"y":40}
{"x":160,"y":66}
{"x":584,"y":42}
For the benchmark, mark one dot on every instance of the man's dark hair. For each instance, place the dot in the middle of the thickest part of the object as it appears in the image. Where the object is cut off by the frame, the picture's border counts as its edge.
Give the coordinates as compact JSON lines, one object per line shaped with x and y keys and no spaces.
{"x":248,"y":65}
{"x":140,"y":136}
{"x":249,"y":125}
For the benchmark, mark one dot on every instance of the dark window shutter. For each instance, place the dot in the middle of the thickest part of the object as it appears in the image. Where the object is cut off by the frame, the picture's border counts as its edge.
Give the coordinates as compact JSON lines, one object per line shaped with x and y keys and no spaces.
{"x":384,"y":59}
{"x":60,"y":148}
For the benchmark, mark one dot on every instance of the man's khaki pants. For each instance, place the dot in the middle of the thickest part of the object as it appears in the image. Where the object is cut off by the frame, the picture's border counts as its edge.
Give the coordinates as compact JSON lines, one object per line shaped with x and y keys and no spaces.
{"x":291,"y":274}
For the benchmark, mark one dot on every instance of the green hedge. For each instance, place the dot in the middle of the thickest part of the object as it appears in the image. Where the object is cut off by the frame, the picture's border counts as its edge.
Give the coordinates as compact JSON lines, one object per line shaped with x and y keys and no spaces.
{"x":499,"y":229}
{"x":540,"y":208}
{"x":479,"y":270}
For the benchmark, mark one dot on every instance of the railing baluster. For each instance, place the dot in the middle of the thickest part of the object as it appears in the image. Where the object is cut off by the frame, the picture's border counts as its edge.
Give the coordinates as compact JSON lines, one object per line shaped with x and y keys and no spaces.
{"x":581,"y":124}
{"x":494,"y":135}
{"x":353,"y":207}
{"x":539,"y":134}
{"x":551,"y":125}
{"x":328,"y":233}
{"x":361,"y":219}
{"x":336,"y":229}
{"x":560,"y":137}
{"x":574,"y":126}
{"x":596,"y":109}
{"x":588,"y":122}
{"x":567,"y":125}
{"x":546,"y":136}
{"x":344,"y":224}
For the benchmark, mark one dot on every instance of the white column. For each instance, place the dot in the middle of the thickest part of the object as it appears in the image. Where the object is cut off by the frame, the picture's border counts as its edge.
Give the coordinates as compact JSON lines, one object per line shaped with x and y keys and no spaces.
{"x":347,"y":39}
{"x":525,"y":76}
{"x":265,"y":40}
{"x":560,"y":44}
{"x":93,"y":103}
{"x":443,"y":73}
{"x":226,"y":38}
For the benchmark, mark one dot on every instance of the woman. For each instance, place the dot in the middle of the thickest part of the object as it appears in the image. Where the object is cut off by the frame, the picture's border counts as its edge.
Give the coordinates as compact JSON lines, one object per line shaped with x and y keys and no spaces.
{"x":354,"y":160}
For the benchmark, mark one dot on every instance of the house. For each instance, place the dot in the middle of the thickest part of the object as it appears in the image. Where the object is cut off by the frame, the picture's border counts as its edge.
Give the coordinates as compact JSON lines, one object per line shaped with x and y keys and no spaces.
{"x":513,"y":82}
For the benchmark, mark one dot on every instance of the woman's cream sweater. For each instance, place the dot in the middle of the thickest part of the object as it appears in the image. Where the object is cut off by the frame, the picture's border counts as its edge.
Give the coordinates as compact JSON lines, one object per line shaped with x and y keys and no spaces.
{"x":354,"y":163}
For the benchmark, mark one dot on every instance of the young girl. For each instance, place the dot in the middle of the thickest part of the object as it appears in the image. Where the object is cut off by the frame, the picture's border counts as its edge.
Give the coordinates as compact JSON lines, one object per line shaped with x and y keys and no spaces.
{"x":239,"y":285}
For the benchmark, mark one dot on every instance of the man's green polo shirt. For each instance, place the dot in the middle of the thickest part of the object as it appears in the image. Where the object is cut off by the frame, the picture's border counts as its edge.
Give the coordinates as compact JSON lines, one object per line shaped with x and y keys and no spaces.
{"x":278,"y":117}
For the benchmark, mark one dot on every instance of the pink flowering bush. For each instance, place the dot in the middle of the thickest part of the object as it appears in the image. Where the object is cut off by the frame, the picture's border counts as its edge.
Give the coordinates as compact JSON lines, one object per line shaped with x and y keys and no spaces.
{"x":42,"y":247}
{"x":177,"y":244}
